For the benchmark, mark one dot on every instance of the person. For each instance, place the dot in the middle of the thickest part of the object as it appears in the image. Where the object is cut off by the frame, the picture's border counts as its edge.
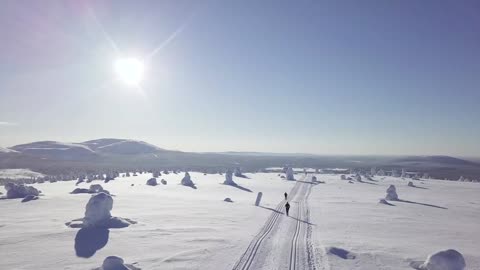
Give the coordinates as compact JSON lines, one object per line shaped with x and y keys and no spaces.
{"x":285,"y":195}
{"x":287,"y":207}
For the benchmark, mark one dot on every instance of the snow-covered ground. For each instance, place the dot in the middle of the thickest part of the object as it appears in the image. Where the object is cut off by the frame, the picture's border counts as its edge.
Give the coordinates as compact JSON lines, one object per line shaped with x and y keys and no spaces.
{"x":19,"y":173}
{"x":178,"y":227}
{"x":181,"y":227}
{"x":438,"y":215}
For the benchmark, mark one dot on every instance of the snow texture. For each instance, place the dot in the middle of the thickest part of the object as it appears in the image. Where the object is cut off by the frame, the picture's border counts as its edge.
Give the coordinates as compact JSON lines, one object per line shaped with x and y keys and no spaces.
{"x":343,"y":216}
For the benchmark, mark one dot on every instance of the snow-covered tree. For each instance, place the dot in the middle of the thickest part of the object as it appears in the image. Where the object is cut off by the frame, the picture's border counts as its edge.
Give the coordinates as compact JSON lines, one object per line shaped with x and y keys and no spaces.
{"x":238,"y":172}
{"x":229,"y":178}
{"x":391,"y":193}
{"x":186,"y":181}
{"x":289,"y":174}
{"x":97,"y":211}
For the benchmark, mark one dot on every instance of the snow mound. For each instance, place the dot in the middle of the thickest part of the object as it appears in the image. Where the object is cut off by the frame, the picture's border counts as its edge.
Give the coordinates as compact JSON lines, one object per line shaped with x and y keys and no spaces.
{"x":186,"y":181}
{"x":443,"y":260}
{"x":227,"y":200}
{"x":152,"y":182}
{"x":229,"y":178}
{"x":80,"y":191}
{"x":341,"y":253}
{"x":30,"y":198}
{"x":383,"y":201}
{"x":391,"y":193}
{"x":15,"y":191}
{"x":97,"y":214}
{"x":116,"y":263}
{"x":95,"y":188}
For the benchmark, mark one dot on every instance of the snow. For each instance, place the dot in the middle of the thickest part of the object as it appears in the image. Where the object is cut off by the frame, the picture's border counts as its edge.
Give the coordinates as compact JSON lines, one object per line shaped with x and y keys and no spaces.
{"x":289,"y":173}
{"x":187,"y":181}
{"x":229,"y":178}
{"x":16,"y":191}
{"x":116,"y":263}
{"x":19,"y":173}
{"x":178,"y":227}
{"x":391,"y":193}
{"x":443,"y":260}
{"x":6,"y":150}
{"x":98,"y":210}
{"x":440,"y":215}
{"x":336,"y":225}
{"x":152,"y":181}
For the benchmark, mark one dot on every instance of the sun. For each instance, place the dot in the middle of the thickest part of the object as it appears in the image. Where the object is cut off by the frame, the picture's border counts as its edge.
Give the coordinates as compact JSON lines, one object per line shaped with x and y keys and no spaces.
{"x":129,"y":70}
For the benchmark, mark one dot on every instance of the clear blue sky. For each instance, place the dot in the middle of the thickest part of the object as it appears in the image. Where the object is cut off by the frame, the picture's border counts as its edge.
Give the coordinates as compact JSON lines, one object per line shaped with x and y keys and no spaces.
{"x":327,"y":77}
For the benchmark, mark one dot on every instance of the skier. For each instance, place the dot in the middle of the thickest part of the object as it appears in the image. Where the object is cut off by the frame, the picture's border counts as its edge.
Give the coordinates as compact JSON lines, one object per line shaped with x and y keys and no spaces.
{"x":287,"y":207}
{"x":285,"y":194}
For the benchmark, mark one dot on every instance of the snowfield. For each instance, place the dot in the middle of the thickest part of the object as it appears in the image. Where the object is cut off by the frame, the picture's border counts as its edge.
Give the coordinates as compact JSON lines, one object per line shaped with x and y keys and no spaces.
{"x":19,"y":173}
{"x":332,"y":225}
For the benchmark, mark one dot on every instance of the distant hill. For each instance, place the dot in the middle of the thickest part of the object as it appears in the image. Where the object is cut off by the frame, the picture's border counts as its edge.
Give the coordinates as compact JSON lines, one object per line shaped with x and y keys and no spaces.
{"x":122,"y":147}
{"x":6,"y":150}
{"x":51,"y":157}
{"x":435,"y":161}
{"x":56,"y":150}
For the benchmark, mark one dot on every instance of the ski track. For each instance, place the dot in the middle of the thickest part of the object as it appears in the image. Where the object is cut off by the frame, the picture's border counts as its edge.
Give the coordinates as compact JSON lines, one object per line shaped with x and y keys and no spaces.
{"x":301,"y":252}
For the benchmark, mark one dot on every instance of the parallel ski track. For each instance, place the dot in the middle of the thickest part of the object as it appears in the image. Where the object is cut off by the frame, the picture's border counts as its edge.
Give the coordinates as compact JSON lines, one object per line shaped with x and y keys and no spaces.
{"x":248,"y":256}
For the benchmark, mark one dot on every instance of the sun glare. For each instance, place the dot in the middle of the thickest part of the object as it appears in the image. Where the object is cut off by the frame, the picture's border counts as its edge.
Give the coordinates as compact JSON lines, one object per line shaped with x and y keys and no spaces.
{"x":129,"y":70}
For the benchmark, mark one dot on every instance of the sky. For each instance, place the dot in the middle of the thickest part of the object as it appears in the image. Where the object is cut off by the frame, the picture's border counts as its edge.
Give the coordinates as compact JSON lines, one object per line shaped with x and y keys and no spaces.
{"x":322,"y":77}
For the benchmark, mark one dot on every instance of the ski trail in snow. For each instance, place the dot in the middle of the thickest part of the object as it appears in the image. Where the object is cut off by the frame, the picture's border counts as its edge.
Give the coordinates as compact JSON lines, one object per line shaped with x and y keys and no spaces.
{"x":284,"y":242}
{"x":294,"y":248}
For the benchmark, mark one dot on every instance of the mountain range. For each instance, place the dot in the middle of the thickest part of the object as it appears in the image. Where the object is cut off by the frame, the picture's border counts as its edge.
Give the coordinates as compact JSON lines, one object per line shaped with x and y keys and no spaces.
{"x":53,"y":157}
